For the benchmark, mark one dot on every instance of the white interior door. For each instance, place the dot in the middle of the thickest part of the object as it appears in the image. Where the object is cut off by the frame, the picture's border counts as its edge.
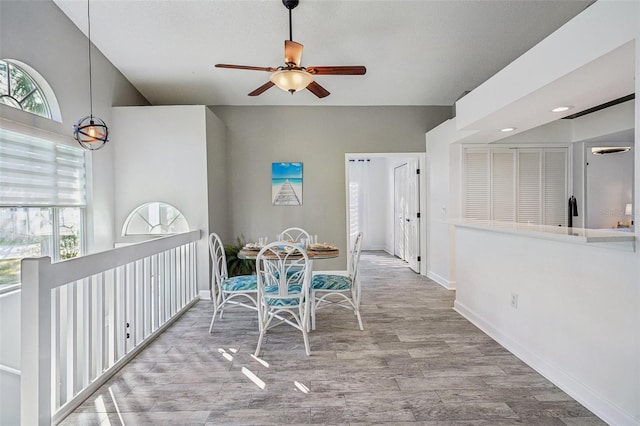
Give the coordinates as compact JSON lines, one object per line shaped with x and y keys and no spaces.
{"x":412,"y":219}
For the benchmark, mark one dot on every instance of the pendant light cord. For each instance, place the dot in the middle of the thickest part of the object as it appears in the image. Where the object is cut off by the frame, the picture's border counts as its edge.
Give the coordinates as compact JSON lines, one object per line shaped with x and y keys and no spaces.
{"x":290,"y":30}
{"x":90,"y":79}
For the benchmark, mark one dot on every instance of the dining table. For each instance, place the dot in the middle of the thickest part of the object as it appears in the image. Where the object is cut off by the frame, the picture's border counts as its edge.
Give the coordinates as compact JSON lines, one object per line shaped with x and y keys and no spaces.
{"x":326,"y":252}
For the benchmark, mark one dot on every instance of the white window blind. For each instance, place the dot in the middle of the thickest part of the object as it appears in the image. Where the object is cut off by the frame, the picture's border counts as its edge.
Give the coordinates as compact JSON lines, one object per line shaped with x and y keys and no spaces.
{"x":503,"y":195}
{"x":476,"y":183}
{"x":38,"y":172}
{"x":523,"y":185}
{"x":529,"y":186}
{"x":555,"y":187}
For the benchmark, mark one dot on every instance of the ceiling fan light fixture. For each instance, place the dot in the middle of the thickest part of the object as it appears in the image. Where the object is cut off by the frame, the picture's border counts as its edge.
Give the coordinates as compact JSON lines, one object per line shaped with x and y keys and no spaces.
{"x":291,"y":80}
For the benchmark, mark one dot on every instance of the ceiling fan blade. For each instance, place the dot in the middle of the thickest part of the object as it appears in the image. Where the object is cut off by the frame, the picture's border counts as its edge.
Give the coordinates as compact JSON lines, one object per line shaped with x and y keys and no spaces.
{"x":338,"y":70}
{"x":292,"y":52}
{"x":318,"y":90}
{"x":262,"y":89}
{"x":246,"y":67}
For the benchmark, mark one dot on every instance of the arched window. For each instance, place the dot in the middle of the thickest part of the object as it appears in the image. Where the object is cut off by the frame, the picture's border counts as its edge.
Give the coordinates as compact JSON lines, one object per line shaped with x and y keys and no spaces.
{"x":23,"y":88}
{"x":155,"y":219}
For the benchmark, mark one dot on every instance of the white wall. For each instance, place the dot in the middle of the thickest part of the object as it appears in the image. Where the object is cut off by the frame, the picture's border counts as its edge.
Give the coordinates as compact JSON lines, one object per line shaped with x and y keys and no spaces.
{"x":440,"y":266}
{"x":162,"y":156}
{"x":218,"y":177}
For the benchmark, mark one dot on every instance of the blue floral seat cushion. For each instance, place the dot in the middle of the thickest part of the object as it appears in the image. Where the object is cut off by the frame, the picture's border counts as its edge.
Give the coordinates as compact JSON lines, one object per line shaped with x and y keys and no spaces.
{"x":273,"y":289}
{"x":241,"y":283}
{"x":330,"y":282}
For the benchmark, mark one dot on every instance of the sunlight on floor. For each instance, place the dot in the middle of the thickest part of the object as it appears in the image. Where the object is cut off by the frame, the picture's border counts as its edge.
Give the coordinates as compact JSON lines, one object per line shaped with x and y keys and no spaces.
{"x":261,"y":361}
{"x":301,"y":387}
{"x":115,"y":404}
{"x":255,"y":379}
{"x":225,"y":354}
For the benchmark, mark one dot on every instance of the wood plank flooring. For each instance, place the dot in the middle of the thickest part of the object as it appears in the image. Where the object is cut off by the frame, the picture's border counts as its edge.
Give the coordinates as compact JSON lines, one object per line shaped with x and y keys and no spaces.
{"x":417,"y":362}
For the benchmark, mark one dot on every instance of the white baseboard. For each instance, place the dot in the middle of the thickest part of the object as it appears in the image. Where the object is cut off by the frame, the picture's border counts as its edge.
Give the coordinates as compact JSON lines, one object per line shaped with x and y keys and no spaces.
{"x":374,"y":248}
{"x":204,"y":295}
{"x":593,"y":401}
{"x":449,"y":285}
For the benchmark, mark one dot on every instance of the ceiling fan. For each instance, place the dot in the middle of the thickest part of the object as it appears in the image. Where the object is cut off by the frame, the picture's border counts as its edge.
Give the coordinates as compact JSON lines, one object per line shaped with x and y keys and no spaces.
{"x":292,"y":77}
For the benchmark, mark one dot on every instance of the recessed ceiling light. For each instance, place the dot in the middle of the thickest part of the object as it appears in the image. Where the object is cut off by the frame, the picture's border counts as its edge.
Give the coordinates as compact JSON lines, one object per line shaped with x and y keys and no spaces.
{"x":508,"y":129}
{"x":562,"y":108}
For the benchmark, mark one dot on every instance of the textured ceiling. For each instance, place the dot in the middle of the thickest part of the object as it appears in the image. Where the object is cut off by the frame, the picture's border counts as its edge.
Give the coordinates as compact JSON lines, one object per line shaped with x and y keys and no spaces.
{"x":416,"y":52}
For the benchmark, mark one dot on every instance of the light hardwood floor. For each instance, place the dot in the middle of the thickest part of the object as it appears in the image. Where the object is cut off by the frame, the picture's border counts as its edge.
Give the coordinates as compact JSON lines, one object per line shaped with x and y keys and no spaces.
{"x":416,"y":362}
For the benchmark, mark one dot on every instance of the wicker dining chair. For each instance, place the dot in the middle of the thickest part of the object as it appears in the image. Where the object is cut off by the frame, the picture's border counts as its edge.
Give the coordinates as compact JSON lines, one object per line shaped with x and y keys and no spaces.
{"x":284,"y":272}
{"x":338,"y":289}
{"x":294,"y":235}
{"x":240,"y":290}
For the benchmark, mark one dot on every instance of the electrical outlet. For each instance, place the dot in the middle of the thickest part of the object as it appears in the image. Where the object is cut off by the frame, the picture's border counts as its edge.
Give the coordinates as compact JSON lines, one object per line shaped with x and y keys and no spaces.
{"x":514,"y":300}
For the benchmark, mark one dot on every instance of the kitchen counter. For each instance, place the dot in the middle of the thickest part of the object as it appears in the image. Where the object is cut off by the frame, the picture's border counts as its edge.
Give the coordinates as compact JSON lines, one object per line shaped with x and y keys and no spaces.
{"x":621,"y":237}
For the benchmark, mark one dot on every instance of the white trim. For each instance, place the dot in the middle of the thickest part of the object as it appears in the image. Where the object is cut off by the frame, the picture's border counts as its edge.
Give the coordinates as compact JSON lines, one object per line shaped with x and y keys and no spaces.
{"x":9,"y":288}
{"x":204,"y":295}
{"x":10,"y":370}
{"x":579,"y":391}
{"x":449,"y":285}
{"x":25,"y":129}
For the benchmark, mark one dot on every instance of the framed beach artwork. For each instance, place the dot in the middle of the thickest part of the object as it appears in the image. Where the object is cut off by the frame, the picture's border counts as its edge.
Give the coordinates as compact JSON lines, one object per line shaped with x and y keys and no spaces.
{"x":286,"y":184}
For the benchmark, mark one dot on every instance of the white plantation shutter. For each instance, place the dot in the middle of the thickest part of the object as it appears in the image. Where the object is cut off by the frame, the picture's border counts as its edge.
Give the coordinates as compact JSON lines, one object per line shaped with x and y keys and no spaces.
{"x":555,"y":187}
{"x":37,"y":172}
{"x":476,"y":183}
{"x":524,"y":185}
{"x":529,"y":186}
{"x":503,"y":195}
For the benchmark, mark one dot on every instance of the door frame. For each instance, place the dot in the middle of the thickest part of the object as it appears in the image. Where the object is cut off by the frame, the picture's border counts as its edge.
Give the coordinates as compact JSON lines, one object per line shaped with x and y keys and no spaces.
{"x":422,"y":222}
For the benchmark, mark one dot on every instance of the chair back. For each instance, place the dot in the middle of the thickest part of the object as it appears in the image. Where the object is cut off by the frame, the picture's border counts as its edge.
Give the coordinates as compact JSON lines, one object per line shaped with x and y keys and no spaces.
{"x":354,"y":260}
{"x":283,"y":272}
{"x":218,"y":259}
{"x":294,"y":235}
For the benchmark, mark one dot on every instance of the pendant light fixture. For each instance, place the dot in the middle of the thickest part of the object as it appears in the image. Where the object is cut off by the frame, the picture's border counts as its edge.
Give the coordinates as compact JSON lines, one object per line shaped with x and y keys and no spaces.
{"x":91,"y":132}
